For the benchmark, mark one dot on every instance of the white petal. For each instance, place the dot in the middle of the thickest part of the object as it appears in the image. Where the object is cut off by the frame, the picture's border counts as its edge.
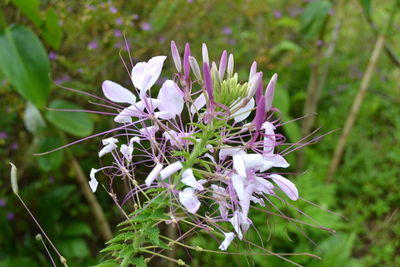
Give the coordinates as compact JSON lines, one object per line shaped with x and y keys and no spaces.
{"x":171,"y":98}
{"x":93,"y":173}
{"x":238,"y":185}
{"x":93,"y":182}
{"x":150,"y":131}
{"x":277,"y":160}
{"x":93,"y":185}
{"x":228,"y":151}
{"x":235,"y":221}
{"x":153,"y":174}
{"x":227,"y":241}
{"x":286,"y":186}
{"x":135,"y":139}
{"x":263,"y":186}
{"x":110,"y":140}
{"x":171,"y":169}
{"x":137,"y":74}
{"x":154,"y":67}
{"x":238,"y":165}
{"x":242,"y":113}
{"x":189,"y":200}
{"x":198,"y":103}
{"x":126,"y":151}
{"x":189,"y":179}
{"x":116,"y":93}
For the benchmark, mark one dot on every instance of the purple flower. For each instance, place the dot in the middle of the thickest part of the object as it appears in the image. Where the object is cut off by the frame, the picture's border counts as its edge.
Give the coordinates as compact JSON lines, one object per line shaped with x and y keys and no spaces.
{"x":14,"y":146}
{"x":161,"y":39}
{"x":227,"y":31}
{"x":135,"y":17}
{"x":113,"y":9}
{"x":92,"y":45}
{"x":3,"y":135}
{"x":10,"y":216}
{"x":62,"y":79}
{"x":117,"y":33}
{"x":277,"y":14}
{"x":2,"y":202}
{"x":52,"y":55}
{"x":146,"y":26}
{"x":119,"y":21}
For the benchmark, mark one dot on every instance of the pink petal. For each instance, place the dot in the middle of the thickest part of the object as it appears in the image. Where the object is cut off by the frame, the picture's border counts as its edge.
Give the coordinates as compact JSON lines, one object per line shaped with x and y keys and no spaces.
{"x":286,"y":186}
{"x":137,"y":74}
{"x":116,"y":93}
{"x":171,"y":98}
{"x":153,"y":67}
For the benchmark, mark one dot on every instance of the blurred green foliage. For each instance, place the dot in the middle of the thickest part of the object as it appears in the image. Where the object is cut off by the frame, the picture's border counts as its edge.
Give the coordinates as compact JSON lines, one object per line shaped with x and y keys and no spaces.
{"x":85,"y":42}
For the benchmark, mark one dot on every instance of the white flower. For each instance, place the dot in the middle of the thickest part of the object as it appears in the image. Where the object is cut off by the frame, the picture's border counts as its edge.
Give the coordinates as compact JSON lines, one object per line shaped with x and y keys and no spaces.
{"x":227,"y":241}
{"x":93,"y":182}
{"x":109,"y":145}
{"x":189,"y":200}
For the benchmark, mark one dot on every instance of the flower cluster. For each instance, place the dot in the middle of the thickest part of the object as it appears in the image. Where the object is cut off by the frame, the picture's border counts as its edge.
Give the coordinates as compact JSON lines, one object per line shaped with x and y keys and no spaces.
{"x":209,"y":141}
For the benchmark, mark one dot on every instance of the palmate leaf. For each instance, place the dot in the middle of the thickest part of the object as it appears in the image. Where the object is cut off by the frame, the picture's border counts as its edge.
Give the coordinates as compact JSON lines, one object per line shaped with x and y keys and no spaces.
{"x":25,"y":64}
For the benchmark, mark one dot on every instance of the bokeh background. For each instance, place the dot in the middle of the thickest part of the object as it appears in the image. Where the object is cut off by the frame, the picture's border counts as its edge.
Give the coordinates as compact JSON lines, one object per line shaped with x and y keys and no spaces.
{"x":321,"y":51}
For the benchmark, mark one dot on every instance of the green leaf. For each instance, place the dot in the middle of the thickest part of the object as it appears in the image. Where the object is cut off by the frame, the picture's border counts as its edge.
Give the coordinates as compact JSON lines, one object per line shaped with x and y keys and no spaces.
{"x":285,"y":45}
{"x":29,"y":8}
{"x":108,"y":263}
{"x":139,"y":262}
{"x":53,"y":160}
{"x":25,"y":63}
{"x":76,"y":123}
{"x":77,"y":229}
{"x":33,"y":119}
{"x":161,"y":14}
{"x":74,"y":248}
{"x":292,"y":129}
{"x":366,"y":5}
{"x":281,"y":100}
{"x":314,"y":17}
{"x":52,"y":31}
{"x":153,"y":234}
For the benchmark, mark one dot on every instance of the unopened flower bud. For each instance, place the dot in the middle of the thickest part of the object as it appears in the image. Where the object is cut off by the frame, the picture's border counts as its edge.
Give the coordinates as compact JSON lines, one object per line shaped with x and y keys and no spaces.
{"x":222,"y":65}
{"x":230,"y":66}
{"x":205,"y":55}
{"x":208,"y":82}
{"x":254,"y":83}
{"x":269,"y":94}
{"x":186,"y":64}
{"x":253,"y":70}
{"x":176,"y":57}
{"x":195,"y":68}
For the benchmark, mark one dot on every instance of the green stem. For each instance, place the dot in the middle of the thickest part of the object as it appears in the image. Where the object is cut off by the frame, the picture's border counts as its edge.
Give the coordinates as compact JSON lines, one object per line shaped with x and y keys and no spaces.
{"x":3,"y":23}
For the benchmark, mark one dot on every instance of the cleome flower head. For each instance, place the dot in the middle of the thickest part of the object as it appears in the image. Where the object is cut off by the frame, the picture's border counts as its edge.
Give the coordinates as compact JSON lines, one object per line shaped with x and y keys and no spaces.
{"x":209,"y":142}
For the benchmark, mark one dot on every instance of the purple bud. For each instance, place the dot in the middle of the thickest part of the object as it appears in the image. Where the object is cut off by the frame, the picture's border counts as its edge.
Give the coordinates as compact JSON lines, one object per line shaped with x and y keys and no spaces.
{"x":113,"y":9}
{"x":2,"y":202}
{"x":259,"y":92}
{"x":208,"y":82}
{"x":254,"y":84}
{"x":222,"y":64}
{"x":176,"y":57}
{"x":253,"y":70}
{"x":269,"y":94}
{"x":260,"y":112}
{"x":186,"y":63}
{"x":3,"y":135}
